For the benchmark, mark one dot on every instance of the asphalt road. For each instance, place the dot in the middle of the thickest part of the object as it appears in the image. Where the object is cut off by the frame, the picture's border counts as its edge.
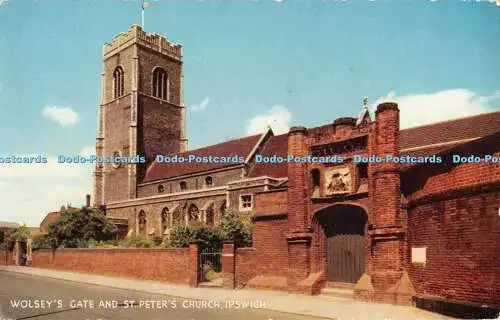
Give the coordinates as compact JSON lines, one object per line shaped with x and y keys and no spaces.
{"x":31,"y":297}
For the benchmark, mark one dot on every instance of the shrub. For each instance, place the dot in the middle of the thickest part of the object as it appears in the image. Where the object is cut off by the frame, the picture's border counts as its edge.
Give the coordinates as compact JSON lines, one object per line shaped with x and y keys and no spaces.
{"x":137,"y":242}
{"x":157,"y":241}
{"x":102,"y":244}
{"x":181,"y":235}
{"x":209,"y":274}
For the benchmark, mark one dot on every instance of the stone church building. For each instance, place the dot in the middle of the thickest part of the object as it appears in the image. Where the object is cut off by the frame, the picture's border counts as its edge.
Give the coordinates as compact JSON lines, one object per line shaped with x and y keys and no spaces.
{"x":388,"y":231}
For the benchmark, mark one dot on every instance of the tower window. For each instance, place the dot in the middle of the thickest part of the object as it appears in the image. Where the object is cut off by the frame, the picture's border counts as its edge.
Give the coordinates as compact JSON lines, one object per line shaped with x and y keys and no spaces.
{"x":160,"y":84}
{"x":118,"y":82}
{"x":183,"y":185}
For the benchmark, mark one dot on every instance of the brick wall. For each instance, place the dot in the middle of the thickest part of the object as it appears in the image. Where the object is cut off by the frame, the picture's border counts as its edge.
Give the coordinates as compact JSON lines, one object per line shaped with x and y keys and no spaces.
{"x":247,"y":265}
{"x":5,"y":258}
{"x":453,"y":212}
{"x":271,"y":202}
{"x":462,"y":248}
{"x":268,"y":255}
{"x":465,"y":175}
{"x":272,"y":249}
{"x":168,"y":265}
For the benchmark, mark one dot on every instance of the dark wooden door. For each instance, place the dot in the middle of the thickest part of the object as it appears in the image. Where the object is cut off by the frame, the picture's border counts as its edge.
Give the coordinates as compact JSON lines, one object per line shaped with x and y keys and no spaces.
{"x":345,"y":259}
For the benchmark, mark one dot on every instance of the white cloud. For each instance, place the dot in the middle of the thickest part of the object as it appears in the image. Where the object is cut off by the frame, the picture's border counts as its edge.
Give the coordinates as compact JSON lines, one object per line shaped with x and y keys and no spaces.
{"x":200,"y":106}
{"x":420,"y":109}
{"x":278,"y":118}
{"x":29,"y":191}
{"x":66,"y":117}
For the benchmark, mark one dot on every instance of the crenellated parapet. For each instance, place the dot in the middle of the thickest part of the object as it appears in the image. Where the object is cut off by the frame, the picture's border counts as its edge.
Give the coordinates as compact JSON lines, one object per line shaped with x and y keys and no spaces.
{"x":154,"y":42}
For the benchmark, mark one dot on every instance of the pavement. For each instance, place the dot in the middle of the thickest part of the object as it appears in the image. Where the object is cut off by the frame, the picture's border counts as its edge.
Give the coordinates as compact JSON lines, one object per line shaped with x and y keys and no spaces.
{"x":32,"y":284}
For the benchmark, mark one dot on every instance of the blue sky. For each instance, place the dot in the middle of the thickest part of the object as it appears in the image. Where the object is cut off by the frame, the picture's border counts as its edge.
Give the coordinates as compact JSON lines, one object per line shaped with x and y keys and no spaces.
{"x":247,"y":64}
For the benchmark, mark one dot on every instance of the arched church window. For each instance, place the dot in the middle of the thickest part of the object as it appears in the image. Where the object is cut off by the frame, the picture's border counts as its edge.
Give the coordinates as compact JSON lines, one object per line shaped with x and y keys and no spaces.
{"x":160,"y":84}
{"x":209,"y":182}
{"x":183,"y":185}
{"x":118,"y":82}
{"x":165,"y":219}
{"x":193,"y":213}
{"x":142,"y":222}
{"x":223,"y":208}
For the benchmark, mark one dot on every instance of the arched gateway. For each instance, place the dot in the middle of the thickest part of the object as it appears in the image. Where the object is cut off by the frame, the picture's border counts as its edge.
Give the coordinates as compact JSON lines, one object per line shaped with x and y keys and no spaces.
{"x":343,"y":242}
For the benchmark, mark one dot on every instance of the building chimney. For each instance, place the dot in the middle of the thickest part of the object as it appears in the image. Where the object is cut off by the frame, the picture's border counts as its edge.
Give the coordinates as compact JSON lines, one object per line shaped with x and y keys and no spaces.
{"x":88,"y":201}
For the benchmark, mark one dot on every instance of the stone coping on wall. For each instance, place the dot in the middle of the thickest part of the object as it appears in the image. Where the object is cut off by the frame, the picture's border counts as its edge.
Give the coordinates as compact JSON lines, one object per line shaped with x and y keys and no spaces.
{"x":110,"y":249}
{"x":453,"y":193}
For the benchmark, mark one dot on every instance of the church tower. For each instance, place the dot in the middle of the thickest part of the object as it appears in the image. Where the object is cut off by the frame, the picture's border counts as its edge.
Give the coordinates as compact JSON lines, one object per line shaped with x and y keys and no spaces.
{"x":141,"y":111}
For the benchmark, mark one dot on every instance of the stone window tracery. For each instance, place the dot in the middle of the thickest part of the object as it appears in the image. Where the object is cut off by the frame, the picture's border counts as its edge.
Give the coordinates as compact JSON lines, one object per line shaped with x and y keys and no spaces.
{"x":142,"y":223}
{"x":160,"y":84}
{"x":193,"y":213}
{"x":118,"y":81}
{"x":165,"y":219}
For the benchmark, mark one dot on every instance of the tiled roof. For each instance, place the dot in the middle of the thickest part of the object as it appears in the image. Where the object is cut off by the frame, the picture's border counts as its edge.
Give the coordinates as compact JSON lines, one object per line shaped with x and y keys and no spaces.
{"x":276,"y":145}
{"x":50,"y":218}
{"x":419,"y":141}
{"x":451,"y":130}
{"x":238,"y":147}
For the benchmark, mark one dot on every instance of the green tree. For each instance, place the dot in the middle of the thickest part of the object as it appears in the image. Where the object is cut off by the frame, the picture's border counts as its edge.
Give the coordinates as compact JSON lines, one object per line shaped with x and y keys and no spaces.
{"x":20,"y":234}
{"x":2,"y":236}
{"x":236,"y":227}
{"x":75,"y":228}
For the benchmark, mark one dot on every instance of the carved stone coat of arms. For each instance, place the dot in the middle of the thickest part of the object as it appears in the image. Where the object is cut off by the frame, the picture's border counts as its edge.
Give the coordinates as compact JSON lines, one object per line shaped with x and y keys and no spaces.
{"x":338,"y":180}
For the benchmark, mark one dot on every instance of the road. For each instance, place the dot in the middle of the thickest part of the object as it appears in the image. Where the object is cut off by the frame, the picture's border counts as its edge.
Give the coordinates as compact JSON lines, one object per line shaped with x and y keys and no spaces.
{"x":30,"y":297}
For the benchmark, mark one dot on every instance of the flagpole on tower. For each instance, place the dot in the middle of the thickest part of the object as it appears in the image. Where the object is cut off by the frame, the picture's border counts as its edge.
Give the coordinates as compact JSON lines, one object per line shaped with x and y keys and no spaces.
{"x":142,"y":14}
{"x":144,"y":5}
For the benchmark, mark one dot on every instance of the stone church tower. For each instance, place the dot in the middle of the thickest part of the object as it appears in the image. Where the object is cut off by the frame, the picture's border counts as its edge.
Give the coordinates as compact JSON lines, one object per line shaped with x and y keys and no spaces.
{"x":141,"y":111}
